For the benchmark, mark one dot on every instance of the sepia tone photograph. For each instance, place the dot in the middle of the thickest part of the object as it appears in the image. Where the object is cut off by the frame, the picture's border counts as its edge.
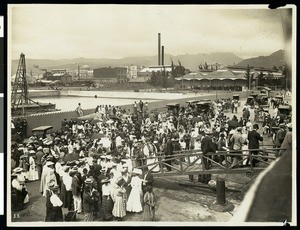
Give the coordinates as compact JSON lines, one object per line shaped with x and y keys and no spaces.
{"x":151,"y":115}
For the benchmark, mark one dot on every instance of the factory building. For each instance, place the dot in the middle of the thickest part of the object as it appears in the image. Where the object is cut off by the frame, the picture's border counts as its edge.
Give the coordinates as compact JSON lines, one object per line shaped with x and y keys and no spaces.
{"x":110,"y":75}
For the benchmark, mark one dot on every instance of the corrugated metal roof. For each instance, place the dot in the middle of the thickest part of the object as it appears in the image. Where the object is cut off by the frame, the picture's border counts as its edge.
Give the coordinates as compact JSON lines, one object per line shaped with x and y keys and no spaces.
{"x":216,"y":75}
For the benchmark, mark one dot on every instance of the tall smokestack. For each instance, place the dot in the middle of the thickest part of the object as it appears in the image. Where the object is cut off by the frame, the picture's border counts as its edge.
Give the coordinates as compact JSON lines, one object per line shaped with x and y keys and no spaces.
{"x":158,"y":48}
{"x":162,"y":55}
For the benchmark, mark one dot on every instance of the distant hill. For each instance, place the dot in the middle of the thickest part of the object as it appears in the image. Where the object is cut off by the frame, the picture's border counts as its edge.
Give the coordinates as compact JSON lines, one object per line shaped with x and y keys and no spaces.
{"x":277,"y":58}
{"x":189,"y":61}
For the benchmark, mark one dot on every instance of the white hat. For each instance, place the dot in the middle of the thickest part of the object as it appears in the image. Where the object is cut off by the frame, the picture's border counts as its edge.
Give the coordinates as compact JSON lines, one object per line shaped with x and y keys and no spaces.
{"x":17,"y":170}
{"x":40,"y":148}
{"x":48,"y":163}
{"x":137,"y":171}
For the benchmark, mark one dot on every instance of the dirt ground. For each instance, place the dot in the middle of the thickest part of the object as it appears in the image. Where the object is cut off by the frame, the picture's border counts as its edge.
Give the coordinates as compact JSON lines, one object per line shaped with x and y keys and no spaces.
{"x":174,"y":201}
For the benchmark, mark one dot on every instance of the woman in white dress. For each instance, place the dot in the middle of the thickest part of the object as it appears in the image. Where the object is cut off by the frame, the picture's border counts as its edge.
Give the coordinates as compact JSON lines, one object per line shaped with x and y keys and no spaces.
{"x":134,"y":200}
{"x":33,"y":173}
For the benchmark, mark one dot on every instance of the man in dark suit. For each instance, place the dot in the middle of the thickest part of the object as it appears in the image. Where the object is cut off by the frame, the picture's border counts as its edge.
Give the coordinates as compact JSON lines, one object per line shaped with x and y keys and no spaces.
{"x":207,"y":146}
{"x":169,"y":152}
{"x":254,"y":137}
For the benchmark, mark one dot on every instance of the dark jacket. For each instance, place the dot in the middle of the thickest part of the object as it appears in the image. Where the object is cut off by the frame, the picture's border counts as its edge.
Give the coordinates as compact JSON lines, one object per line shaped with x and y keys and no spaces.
{"x":207,"y":145}
{"x":254,"y":137}
{"x":76,"y":186}
{"x":88,"y":202}
{"x":169,"y":148}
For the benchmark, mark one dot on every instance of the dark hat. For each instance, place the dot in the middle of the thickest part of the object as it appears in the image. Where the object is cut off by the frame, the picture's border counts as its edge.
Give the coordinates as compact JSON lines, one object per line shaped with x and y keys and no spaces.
{"x":120,"y":182}
{"x":239,"y":129}
{"x":282,"y":125}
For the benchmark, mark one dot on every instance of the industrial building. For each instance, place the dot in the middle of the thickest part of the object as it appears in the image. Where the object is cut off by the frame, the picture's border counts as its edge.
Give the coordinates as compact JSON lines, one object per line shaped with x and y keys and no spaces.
{"x":110,"y":75}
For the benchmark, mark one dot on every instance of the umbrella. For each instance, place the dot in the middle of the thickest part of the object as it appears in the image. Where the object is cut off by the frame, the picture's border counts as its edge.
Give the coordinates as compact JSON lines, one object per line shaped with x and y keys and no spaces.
{"x":97,"y":135}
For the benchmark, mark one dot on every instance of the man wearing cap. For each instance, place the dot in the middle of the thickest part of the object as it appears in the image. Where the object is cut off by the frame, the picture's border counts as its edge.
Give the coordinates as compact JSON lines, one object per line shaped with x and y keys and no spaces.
{"x":254,"y":138}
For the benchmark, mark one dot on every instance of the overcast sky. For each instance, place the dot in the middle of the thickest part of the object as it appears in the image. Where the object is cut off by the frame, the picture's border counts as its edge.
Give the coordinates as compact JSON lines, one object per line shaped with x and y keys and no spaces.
{"x":117,"y":31}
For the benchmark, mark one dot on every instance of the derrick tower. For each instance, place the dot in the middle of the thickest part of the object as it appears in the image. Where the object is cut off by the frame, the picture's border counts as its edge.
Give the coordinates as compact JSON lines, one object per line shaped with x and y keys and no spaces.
{"x":19,"y":95}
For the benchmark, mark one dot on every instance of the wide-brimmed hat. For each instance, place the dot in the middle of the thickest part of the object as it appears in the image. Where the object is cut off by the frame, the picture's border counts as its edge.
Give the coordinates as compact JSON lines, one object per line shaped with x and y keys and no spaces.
{"x":48,"y":163}
{"x":23,"y":156}
{"x":40,"y":148}
{"x":51,"y":184}
{"x":137,"y":171}
{"x":239,"y":129}
{"x":17,"y":170}
{"x":46,"y":150}
{"x":55,"y":187}
{"x":88,"y":181}
{"x":282,"y":125}
{"x":106,"y":180}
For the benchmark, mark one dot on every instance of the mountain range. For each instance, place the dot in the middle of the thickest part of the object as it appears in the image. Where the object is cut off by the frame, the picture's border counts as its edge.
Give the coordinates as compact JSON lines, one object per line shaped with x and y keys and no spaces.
{"x":189,"y":61}
{"x":277,"y":59}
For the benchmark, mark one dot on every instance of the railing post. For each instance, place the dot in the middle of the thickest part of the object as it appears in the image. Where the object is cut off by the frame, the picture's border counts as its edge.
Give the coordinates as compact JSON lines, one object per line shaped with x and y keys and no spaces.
{"x":221,"y":191}
{"x":221,"y":204}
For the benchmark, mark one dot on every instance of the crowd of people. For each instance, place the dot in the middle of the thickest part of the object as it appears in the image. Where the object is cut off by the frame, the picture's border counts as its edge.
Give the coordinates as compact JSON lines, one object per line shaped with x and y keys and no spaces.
{"x":98,"y":167}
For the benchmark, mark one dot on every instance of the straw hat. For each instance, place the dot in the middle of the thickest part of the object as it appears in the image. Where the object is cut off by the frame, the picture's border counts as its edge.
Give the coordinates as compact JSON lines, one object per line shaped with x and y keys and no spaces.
{"x":51,"y":184}
{"x":137,"y":171}
{"x":88,"y":181}
{"x":17,"y":170}
{"x":48,"y":163}
{"x":106,"y":180}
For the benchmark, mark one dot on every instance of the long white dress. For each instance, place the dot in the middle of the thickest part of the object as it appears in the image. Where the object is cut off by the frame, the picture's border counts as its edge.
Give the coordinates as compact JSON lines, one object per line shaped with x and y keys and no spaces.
{"x":134,"y":199}
{"x":33,"y":173}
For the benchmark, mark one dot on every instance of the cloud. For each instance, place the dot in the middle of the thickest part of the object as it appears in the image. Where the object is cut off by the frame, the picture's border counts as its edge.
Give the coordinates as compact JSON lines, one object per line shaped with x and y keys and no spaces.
{"x":116,"y":31}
